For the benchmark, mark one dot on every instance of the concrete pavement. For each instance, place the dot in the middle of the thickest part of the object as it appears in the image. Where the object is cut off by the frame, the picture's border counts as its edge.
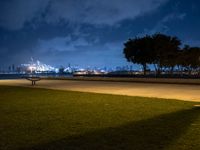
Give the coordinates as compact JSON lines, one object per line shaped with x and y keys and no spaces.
{"x":169,"y":91}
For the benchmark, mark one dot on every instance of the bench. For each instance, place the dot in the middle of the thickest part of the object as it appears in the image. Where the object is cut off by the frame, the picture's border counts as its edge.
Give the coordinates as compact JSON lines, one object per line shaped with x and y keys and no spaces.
{"x":33,"y":79}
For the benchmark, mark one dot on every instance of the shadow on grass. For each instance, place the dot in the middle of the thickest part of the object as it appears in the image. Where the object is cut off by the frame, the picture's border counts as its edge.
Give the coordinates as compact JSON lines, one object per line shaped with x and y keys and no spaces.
{"x":155,"y":133}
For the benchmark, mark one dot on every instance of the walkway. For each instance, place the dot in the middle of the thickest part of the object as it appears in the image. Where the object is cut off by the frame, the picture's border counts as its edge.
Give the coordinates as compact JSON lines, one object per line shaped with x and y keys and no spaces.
{"x":169,"y":91}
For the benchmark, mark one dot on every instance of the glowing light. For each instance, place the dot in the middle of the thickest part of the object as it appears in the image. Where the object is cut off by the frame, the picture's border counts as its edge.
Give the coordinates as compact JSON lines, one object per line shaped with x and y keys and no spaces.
{"x":38,"y":67}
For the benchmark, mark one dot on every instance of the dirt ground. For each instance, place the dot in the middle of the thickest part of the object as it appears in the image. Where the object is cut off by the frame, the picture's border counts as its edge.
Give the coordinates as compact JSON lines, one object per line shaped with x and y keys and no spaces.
{"x":169,"y":91}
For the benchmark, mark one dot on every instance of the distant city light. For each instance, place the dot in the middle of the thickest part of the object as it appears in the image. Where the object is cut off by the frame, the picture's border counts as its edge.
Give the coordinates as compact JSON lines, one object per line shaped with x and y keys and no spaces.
{"x":38,"y":67}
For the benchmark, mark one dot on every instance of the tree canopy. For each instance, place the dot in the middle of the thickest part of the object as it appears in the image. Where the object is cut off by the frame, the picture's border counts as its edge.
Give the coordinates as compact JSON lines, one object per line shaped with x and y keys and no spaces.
{"x":138,"y":51}
{"x":162,"y":51}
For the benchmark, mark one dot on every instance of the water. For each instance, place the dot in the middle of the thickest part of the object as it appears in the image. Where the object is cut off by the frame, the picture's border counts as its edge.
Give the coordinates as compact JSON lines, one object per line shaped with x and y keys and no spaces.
{"x":19,"y":76}
{"x":10,"y":76}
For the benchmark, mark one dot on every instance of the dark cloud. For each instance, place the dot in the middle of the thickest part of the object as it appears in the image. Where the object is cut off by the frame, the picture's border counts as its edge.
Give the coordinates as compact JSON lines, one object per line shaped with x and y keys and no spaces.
{"x":162,"y":25}
{"x":15,"y":13}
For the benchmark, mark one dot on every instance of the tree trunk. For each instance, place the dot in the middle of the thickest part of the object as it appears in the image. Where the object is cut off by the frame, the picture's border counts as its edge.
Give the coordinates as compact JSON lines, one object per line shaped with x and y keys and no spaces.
{"x":159,"y":70}
{"x":156,"y":69}
{"x":172,"y":70}
{"x":144,"y":68}
{"x":189,"y":71}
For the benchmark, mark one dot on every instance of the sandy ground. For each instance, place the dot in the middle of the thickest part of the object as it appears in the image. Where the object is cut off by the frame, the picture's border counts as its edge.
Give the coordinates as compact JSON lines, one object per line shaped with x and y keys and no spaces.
{"x":169,"y":91}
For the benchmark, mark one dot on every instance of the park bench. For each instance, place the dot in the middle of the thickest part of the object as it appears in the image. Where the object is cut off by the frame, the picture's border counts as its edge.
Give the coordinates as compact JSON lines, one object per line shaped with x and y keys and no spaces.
{"x":33,"y":79}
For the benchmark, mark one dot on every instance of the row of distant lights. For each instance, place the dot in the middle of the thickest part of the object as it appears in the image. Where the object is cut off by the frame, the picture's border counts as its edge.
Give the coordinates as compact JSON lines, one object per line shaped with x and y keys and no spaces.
{"x":38,"y":67}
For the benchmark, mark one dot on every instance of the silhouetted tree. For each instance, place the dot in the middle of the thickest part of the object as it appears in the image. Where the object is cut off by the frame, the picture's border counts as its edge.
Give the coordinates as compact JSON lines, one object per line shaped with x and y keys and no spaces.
{"x":190,"y":58}
{"x":139,"y":51}
{"x":165,"y":52}
{"x":182,"y":58}
{"x":194,"y":57}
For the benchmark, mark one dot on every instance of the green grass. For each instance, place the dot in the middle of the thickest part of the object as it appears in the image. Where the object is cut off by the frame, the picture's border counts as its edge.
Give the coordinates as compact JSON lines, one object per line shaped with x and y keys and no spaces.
{"x":41,"y":119}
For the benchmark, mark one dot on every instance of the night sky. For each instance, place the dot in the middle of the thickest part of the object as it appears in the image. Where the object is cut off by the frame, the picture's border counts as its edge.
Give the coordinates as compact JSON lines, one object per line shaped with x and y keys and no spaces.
{"x":89,"y":32}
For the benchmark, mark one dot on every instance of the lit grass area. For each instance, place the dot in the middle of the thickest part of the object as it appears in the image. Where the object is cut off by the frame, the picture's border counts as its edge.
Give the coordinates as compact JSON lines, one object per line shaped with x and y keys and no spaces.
{"x":41,"y":119}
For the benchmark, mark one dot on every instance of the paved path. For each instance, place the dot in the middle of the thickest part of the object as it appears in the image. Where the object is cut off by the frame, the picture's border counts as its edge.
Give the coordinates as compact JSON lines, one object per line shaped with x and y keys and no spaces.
{"x":171,"y":91}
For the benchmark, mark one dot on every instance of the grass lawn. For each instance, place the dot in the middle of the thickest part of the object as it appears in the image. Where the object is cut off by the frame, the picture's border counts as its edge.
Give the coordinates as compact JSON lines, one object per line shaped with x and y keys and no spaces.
{"x":41,"y":119}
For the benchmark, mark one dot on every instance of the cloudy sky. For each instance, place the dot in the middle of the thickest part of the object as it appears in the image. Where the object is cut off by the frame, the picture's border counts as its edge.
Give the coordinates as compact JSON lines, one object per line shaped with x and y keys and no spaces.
{"x":89,"y":32}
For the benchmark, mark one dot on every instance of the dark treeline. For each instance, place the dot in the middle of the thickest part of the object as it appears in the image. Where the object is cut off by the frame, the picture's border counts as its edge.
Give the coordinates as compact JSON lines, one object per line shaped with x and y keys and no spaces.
{"x":164,"y":52}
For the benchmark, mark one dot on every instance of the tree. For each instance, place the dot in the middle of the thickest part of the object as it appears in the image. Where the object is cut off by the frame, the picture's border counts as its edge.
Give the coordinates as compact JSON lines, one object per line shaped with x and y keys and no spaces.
{"x":138,"y":51}
{"x":165,"y":52}
{"x":190,"y":58}
{"x":182,"y":58}
{"x":194,"y":57}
